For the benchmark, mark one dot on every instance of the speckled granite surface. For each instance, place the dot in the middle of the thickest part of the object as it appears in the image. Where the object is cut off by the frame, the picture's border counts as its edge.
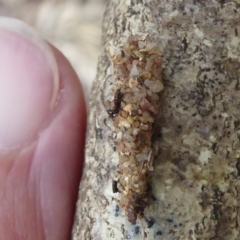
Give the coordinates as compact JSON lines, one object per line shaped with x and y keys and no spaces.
{"x":196,"y":178}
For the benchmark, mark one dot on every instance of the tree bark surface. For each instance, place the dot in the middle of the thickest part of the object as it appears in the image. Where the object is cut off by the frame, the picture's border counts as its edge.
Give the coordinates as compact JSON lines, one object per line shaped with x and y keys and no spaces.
{"x":195,"y":182}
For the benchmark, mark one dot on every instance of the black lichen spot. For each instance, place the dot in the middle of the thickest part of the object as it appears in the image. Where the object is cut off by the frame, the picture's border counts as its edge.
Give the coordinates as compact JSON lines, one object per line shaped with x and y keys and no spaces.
{"x":137,"y":230}
{"x":114,"y":186}
{"x":214,"y":147}
{"x":236,"y":32}
{"x":169,"y":220}
{"x":150,"y":222}
{"x":159,"y":233}
{"x":153,"y":198}
{"x":222,"y":3}
{"x":117,"y":211}
{"x":185,"y":44}
{"x":238,"y":166}
{"x":236,"y":124}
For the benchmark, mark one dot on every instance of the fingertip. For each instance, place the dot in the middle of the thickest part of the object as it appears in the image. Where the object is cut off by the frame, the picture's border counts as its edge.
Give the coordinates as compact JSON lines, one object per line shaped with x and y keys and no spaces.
{"x":44,"y":125}
{"x":31,"y":73}
{"x":59,"y":154}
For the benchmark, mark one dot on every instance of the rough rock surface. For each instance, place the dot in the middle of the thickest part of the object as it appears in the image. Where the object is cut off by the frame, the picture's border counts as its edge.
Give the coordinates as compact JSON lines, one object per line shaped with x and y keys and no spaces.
{"x":196,"y":178}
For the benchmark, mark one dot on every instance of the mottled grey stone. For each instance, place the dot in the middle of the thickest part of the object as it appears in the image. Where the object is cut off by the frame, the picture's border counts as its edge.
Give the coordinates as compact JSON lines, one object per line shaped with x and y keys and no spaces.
{"x":196,"y":178}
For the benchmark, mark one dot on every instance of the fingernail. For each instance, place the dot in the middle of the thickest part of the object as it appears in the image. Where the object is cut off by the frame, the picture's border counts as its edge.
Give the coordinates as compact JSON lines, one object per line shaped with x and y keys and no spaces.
{"x":29,"y":84}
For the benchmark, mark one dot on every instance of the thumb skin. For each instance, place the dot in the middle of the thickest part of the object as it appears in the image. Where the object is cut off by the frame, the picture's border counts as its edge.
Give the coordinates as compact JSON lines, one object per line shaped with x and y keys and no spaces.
{"x":42,"y":133}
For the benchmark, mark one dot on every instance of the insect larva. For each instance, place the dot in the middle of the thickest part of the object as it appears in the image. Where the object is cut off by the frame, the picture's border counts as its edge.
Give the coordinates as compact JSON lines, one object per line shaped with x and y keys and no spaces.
{"x":137,"y":72}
